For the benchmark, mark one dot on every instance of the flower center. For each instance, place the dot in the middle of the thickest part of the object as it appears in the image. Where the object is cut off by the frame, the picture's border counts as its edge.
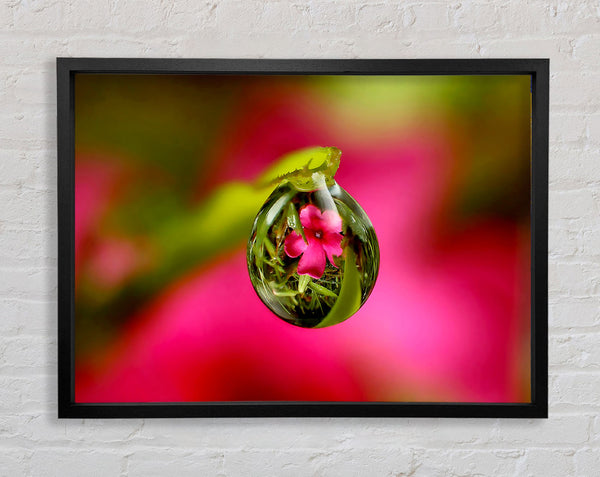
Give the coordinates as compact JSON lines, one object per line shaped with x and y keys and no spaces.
{"x":318,"y":234}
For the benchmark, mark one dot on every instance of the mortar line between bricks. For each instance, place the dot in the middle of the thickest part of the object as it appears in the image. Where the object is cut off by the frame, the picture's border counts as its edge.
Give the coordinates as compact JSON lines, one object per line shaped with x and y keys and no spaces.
{"x":138,"y":446}
{"x":574,"y":330}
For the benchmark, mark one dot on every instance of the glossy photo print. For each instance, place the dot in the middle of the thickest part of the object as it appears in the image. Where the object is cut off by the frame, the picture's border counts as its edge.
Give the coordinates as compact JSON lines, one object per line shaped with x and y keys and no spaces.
{"x":302,"y":238}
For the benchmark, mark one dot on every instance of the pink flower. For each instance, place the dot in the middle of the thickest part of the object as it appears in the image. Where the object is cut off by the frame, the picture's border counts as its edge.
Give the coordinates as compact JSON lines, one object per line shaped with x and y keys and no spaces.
{"x":322,"y":232}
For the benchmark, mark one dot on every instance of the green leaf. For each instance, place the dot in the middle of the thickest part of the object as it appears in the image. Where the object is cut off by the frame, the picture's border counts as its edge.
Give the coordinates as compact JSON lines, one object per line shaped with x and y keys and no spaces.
{"x":322,"y":290}
{"x":348,"y":301}
{"x":357,"y":227}
{"x":299,"y":167}
{"x":222,"y":221}
{"x":270,"y":247}
{"x":288,"y":293}
{"x":303,"y":282}
{"x":293,"y":220}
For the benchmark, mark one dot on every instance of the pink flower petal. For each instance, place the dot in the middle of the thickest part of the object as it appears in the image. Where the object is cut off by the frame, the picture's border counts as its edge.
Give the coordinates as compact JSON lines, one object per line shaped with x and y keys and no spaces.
{"x":331,"y":245}
{"x":331,"y":221}
{"x":294,"y":245}
{"x":313,"y":259}
{"x":310,"y":217}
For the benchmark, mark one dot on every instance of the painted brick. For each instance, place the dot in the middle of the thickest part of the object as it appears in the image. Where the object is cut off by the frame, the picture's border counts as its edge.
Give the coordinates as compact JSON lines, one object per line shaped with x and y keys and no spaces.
{"x":575,"y":351}
{"x":434,"y":16}
{"x":575,"y":167}
{"x":565,"y":128}
{"x":15,"y":462}
{"x":568,"y":430}
{"x":65,"y":463}
{"x":575,"y":388}
{"x":564,"y":92}
{"x":573,"y":204}
{"x":572,"y":313}
{"x":585,"y":49}
{"x":183,"y":463}
{"x":469,"y":462}
{"x":548,"y":462}
{"x":380,"y":17}
{"x":587,"y":461}
{"x":44,"y":15}
{"x":574,"y":279}
{"x":593,"y":129}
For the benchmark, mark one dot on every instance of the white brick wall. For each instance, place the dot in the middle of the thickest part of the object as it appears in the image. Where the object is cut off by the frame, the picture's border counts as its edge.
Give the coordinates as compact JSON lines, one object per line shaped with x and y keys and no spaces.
{"x":33,"y":33}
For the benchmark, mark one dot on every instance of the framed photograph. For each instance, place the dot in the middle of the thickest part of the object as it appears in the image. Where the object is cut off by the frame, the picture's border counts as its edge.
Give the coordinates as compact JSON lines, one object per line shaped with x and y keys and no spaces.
{"x":302,"y":237}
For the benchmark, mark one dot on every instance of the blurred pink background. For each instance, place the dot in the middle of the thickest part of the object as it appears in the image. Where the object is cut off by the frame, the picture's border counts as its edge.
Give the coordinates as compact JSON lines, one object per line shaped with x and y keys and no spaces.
{"x":441,"y":166}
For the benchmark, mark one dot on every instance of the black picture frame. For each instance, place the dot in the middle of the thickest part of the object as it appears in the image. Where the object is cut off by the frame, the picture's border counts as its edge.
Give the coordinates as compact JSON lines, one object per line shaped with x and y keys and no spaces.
{"x":67,"y":68}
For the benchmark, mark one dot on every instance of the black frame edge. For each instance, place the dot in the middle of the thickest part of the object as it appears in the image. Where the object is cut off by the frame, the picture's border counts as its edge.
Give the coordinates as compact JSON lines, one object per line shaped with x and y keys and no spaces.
{"x":66,"y":227}
{"x":539,"y":235}
{"x":538,"y":68}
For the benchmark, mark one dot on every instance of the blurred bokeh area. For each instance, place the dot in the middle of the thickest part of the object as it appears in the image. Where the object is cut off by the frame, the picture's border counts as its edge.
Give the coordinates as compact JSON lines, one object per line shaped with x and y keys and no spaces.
{"x":165,"y":200}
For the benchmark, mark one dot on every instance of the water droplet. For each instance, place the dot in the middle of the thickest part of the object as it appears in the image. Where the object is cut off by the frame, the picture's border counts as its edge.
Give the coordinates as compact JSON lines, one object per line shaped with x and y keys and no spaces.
{"x":313,"y":256}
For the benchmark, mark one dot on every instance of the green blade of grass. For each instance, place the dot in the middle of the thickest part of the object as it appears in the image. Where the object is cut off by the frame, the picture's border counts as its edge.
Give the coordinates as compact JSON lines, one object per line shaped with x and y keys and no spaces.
{"x":348,"y":301}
